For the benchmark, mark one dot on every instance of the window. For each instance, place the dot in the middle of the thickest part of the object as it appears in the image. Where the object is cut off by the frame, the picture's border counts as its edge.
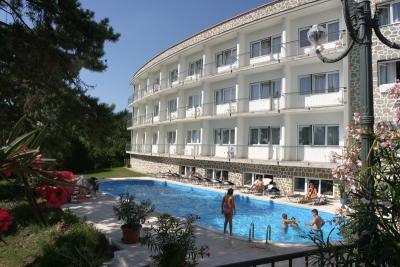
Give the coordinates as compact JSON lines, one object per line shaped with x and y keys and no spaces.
{"x":173,"y":75}
{"x":155,"y":138}
{"x":299,"y":185}
{"x":389,"y":72}
{"x":260,"y":48}
{"x":276,"y":88}
{"x":172,"y":106}
{"x":254,"y":91}
{"x":319,"y":83}
{"x":305,"y":135}
{"x":259,"y":136}
{"x":303,"y":38}
{"x":262,"y":90}
{"x":275,"y":135}
{"x":196,"y":67}
{"x":221,"y":175}
{"x":333,"y":82}
{"x":333,"y":31}
{"x":225,"y":95}
{"x":250,"y":178}
{"x":319,"y":135}
{"x":384,"y":16}
{"x":390,"y":13}
{"x":171,"y":137}
{"x":210,"y":173}
{"x":226,"y":57}
{"x":332,"y":28}
{"x":224,"y":136}
{"x":276,"y":45}
{"x":265,"y":46}
{"x":156,"y":110}
{"x":305,"y":85}
{"x":194,"y":101}
{"x":324,"y":187}
{"x":333,"y":135}
{"x":193,"y":137}
{"x":327,"y":187}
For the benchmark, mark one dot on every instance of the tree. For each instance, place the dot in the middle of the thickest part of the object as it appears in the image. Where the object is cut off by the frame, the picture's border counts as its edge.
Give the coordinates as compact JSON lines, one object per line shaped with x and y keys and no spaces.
{"x":44,"y":44}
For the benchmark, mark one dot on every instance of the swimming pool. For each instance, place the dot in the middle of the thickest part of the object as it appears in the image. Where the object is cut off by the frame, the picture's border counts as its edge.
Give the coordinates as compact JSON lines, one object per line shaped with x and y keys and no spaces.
{"x":180,"y":200}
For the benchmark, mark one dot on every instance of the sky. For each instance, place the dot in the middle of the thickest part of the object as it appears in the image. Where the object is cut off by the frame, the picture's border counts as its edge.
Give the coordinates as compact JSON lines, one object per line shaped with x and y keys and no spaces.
{"x":147,"y":27}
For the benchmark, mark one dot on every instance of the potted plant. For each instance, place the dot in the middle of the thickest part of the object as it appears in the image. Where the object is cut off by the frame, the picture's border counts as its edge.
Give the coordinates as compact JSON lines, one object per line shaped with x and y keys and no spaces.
{"x":173,"y":242}
{"x":133,"y":215}
{"x":342,"y":193}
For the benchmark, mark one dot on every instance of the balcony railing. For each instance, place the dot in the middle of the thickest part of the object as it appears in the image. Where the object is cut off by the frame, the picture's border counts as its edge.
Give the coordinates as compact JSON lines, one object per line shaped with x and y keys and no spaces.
{"x":276,"y":153}
{"x":286,"y":52}
{"x":331,"y":97}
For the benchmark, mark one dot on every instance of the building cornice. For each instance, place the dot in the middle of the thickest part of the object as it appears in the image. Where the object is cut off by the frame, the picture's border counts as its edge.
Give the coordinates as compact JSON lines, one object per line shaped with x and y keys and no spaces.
{"x":233,"y":23}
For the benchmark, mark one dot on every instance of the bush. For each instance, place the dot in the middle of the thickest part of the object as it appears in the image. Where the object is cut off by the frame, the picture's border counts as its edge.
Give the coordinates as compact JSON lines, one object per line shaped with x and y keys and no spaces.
{"x":80,"y":244}
{"x":173,"y":241}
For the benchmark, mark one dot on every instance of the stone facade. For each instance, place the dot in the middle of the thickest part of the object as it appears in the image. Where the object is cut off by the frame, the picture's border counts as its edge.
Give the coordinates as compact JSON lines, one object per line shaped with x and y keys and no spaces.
{"x":383,"y":104}
{"x":283,"y":175}
{"x":270,"y":9}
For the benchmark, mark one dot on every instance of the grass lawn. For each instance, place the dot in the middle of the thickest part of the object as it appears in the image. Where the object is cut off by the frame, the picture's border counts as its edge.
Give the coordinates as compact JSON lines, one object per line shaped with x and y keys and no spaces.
{"x":118,"y":172}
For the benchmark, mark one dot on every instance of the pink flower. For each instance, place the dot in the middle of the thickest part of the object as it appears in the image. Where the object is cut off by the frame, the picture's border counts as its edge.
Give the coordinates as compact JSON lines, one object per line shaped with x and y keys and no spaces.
{"x":356,"y":117}
{"x":397,"y":115}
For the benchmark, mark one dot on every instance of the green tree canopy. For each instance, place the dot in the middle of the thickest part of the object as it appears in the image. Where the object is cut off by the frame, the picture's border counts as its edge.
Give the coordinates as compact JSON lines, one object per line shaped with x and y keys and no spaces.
{"x":44,"y":45}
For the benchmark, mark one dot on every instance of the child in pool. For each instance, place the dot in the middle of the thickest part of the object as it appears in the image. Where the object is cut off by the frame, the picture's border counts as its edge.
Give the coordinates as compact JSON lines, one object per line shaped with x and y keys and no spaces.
{"x":286,"y":222}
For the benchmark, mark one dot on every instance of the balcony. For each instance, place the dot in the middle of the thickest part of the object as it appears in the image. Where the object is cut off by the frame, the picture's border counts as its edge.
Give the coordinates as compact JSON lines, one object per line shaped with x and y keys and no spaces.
{"x":289,"y":51}
{"x":243,"y":153}
{"x":285,"y":102}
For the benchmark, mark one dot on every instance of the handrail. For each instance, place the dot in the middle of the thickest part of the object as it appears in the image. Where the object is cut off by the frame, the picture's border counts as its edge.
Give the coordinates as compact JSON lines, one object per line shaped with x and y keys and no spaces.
{"x":273,"y":259}
{"x":287,"y":51}
{"x":268,"y":234}
{"x":285,"y":101}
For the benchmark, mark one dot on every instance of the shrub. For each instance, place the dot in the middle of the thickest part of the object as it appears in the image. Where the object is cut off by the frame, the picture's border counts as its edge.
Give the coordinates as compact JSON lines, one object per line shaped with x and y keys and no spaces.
{"x":132,"y":213}
{"x":80,"y":244}
{"x":173,"y":241}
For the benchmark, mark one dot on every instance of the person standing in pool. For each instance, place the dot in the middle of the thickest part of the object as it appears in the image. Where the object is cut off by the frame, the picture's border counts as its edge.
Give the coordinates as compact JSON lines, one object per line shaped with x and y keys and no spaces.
{"x":228,"y":209}
{"x":317,"y":223}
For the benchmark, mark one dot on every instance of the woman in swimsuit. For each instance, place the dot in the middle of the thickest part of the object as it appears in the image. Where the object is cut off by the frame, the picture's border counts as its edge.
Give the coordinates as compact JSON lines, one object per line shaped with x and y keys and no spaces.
{"x":228,"y":209}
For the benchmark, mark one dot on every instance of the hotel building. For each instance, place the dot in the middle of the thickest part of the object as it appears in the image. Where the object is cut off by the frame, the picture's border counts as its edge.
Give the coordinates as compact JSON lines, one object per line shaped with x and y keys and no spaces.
{"x":248,"y":97}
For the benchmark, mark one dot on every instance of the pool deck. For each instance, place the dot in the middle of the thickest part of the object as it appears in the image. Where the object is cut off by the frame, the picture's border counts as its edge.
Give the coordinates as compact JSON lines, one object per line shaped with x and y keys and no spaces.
{"x":223,"y":249}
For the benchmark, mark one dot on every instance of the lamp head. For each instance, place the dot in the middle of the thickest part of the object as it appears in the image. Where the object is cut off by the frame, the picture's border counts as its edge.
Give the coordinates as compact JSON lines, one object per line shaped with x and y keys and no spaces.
{"x":316,"y":35}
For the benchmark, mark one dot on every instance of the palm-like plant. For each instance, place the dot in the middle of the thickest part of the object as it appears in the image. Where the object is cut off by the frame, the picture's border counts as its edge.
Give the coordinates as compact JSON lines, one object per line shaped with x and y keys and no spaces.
{"x":21,"y":160}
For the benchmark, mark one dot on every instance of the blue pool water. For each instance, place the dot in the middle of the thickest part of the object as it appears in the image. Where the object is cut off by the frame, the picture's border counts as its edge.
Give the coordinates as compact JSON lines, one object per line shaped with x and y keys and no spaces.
{"x":182,"y":200}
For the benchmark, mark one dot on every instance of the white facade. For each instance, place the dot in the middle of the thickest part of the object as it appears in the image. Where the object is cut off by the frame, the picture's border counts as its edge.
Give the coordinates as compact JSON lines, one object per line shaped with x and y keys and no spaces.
{"x":256,"y":93}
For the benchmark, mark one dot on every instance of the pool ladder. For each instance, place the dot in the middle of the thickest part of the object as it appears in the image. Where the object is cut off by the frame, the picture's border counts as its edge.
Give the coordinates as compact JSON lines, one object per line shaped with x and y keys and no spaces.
{"x":267,"y":233}
{"x":251,"y":232}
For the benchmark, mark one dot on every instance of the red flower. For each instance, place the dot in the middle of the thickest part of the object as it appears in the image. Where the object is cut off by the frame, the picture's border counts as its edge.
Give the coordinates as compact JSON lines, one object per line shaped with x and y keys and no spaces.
{"x":38,"y":162}
{"x":24,"y":149}
{"x":5,"y":220}
{"x":57,"y":196}
{"x":6,"y":172}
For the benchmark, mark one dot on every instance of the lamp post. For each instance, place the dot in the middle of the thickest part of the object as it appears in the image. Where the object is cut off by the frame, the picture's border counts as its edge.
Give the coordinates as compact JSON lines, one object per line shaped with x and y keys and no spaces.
{"x":360,"y":24}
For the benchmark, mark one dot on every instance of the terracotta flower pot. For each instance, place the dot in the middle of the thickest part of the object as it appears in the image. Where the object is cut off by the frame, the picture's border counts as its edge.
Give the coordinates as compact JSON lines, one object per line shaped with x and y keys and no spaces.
{"x":130,"y":236}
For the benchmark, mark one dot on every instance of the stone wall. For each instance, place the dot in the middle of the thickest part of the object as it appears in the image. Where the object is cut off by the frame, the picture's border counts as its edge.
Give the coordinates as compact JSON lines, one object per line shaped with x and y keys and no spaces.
{"x":383,"y":104}
{"x":283,"y":175}
{"x":150,"y":167}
